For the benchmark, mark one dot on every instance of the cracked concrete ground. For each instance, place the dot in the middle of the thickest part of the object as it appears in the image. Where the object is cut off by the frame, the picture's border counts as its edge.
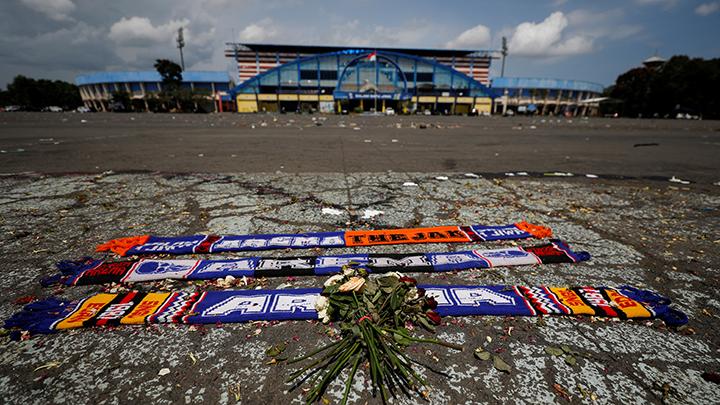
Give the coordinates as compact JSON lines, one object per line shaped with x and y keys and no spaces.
{"x":645,"y":231}
{"x":648,"y":234}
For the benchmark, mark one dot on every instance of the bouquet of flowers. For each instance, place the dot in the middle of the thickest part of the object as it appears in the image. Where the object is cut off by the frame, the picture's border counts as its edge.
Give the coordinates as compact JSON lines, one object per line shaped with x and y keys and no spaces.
{"x":375,"y":316}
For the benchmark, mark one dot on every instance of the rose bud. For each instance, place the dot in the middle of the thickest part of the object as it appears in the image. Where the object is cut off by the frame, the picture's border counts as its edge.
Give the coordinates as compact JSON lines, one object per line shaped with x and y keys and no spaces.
{"x":410,"y":280}
{"x":433,"y":317}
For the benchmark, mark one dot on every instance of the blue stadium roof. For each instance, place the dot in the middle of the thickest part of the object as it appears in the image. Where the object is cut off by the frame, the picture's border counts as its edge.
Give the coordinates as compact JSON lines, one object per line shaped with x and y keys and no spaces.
{"x":538,"y":83}
{"x":150,"y":76}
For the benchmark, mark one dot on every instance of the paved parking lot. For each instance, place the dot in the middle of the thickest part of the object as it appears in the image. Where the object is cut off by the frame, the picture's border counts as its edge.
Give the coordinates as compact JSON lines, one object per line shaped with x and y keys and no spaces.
{"x":646,"y":232}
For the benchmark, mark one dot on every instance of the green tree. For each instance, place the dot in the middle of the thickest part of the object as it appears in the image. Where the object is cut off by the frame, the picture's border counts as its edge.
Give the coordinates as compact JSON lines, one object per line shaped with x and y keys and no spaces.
{"x":120,"y":101}
{"x":171,"y":74}
{"x":36,"y":94}
{"x":5,"y":98}
{"x":681,"y":85}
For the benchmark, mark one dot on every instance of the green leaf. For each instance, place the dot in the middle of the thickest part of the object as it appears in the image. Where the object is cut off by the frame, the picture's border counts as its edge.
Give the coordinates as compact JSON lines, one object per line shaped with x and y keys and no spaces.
{"x":481,"y":354}
{"x":331,"y":289}
{"x":566,"y":348}
{"x":500,"y":364}
{"x":276,"y":349}
{"x":426,"y":324}
{"x":370,"y":289}
{"x":570,"y":359}
{"x":401,"y":340}
{"x":554,"y":351}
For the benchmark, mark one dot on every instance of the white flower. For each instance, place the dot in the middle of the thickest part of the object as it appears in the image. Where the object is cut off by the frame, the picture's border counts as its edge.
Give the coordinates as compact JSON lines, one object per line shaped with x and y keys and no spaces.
{"x":322,"y":303}
{"x":323,"y":316}
{"x":333,"y":280}
{"x":411,"y":295}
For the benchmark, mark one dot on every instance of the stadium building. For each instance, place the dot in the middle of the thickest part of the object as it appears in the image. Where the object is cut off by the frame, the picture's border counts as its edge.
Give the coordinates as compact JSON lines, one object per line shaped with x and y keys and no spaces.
{"x":337,"y":79}
{"x":546,"y":96}
{"x":97,"y":88}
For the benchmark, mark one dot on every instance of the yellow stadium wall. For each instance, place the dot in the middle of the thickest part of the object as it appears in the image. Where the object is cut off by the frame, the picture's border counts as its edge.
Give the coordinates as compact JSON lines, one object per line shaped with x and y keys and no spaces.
{"x":247,"y":106}
{"x":483,"y":105}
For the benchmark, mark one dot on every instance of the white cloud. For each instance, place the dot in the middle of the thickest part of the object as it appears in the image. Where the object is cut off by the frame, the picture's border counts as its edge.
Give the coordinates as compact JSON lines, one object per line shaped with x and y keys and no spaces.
{"x":476,"y":37}
{"x":706,"y":9}
{"x":57,"y":10}
{"x":260,"y":31}
{"x":139,"y":31}
{"x":546,"y":38}
{"x":666,"y":4}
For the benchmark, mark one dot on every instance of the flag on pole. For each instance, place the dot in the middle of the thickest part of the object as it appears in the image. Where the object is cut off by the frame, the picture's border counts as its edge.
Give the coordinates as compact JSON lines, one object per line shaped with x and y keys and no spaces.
{"x":372,"y":57}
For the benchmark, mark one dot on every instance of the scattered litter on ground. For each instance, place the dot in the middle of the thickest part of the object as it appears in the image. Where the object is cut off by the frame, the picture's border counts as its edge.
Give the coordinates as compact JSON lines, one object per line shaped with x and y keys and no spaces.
{"x":331,"y":211}
{"x":52,"y":364}
{"x":227,"y":282}
{"x":371,"y":213}
{"x":472,"y":175}
{"x":164,"y":371}
{"x":501,"y":365}
{"x":441,"y":177}
{"x":394,"y":140}
{"x":558,"y":174}
{"x":674,"y":179}
{"x":236,"y":391}
{"x":367,"y":140}
{"x":592,"y":176}
{"x":409,"y":184}
{"x":562,"y":391}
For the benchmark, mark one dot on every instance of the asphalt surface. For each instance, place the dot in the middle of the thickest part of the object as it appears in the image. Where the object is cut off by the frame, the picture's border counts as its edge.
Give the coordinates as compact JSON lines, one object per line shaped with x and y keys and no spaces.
{"x":646,"y":232}
{"x":255,"y":143}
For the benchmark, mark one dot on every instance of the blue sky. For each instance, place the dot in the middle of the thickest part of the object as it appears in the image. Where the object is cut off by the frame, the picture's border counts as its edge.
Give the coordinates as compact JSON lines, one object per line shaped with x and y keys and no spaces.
{"x":566,"y":39}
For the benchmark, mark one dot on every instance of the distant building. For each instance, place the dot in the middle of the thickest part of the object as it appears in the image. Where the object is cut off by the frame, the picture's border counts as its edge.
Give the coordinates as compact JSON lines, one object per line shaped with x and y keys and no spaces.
{"x":335,"y":79}
{"x":546,"y":96}
{"x":96,"y":88}
{"x":654,"y":62}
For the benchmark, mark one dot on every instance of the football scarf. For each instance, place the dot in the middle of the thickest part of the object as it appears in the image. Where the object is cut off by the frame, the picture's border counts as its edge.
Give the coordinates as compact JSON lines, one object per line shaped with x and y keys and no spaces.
{"x":90,"y":271}
{"x":229,"y":306}
{"x":147,"y":244}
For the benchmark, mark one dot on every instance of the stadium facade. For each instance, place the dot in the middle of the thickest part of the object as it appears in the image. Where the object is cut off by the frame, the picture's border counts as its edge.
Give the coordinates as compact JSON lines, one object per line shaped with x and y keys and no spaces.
{"x":336,"y":79}
{"x":333,"y":79}
{"x":96,"y":88}
{"x":546,"y":96}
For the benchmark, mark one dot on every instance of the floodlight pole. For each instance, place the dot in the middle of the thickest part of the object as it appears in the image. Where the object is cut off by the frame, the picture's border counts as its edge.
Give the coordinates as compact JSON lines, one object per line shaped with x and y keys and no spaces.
{"x":504,"y":53}
{"x":377,"y":81}
{"x":181,"y":45}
